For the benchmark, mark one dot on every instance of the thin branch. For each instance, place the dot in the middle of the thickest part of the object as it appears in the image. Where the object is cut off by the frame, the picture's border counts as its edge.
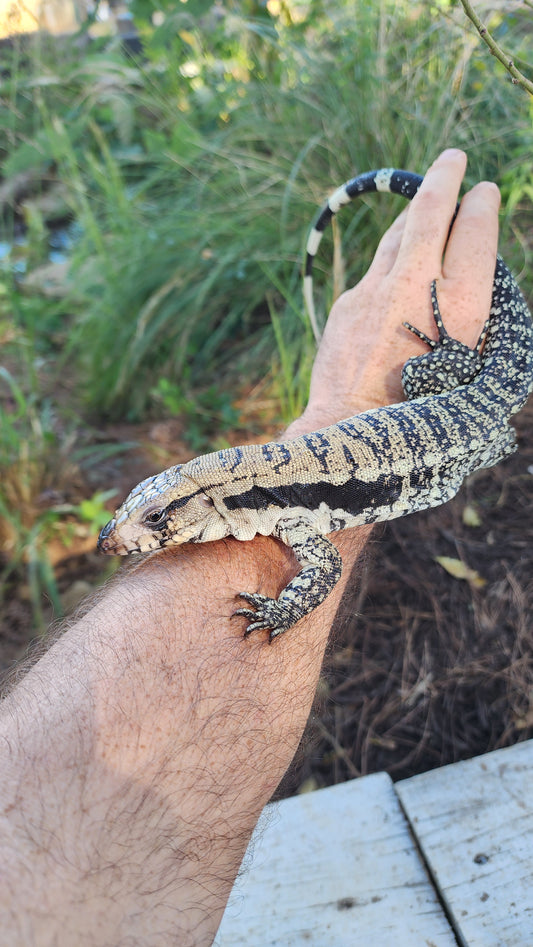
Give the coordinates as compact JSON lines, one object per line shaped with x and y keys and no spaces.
{"x":516,"y":76}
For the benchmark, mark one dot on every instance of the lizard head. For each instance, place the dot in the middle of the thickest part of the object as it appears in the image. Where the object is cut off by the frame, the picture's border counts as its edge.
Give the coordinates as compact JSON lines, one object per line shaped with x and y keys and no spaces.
{"x":169,"y":508}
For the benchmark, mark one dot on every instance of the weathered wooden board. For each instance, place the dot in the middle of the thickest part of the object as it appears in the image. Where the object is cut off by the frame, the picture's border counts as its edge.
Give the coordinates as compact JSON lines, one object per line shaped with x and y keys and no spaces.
{"x":474,"y":823}
{"x":335,"y":868}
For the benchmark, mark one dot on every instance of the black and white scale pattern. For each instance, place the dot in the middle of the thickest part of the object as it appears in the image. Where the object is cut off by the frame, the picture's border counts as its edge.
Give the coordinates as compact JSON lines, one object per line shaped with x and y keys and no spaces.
{"x":375,"y":466}
{"x":389,"y":180}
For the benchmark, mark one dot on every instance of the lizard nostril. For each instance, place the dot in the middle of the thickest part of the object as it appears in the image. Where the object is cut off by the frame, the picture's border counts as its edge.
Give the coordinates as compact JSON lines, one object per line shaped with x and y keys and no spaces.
{"x":104,"y":543}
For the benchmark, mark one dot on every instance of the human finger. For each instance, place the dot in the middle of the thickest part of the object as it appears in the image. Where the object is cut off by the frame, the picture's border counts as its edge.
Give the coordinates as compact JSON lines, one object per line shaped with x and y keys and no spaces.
{"x":387,"y":251}
{"x":465,"y":290}
{"x":470,"y":255}
{"x":430,"y":214}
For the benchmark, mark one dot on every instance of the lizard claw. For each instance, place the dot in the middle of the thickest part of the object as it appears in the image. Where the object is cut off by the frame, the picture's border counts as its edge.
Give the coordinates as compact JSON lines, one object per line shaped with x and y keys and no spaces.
{"x":269,"y":613}
{"x":248,"y":613}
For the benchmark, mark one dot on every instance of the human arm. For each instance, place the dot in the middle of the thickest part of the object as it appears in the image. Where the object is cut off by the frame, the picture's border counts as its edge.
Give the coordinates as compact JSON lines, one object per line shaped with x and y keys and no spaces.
{"x":141,"y":749}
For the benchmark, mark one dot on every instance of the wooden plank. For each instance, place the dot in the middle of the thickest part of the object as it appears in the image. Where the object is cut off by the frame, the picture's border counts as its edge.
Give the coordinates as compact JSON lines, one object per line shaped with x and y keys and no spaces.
{"x":335,"y":868}
{"x":474,"y":824}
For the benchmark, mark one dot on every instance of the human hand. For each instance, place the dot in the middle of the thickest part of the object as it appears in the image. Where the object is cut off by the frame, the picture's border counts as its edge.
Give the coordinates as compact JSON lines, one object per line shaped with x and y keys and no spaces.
{"x":359,"y":361}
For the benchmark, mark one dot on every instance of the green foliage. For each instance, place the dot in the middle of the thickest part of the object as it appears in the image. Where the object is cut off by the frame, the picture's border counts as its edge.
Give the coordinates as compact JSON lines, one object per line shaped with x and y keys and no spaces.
{"x":194,"y":174}
{"x":93,"y":510}
{"x":27,"y":446}
{"x":38,"y":464}
{"x":209,"y":412}
{"x":293,"y":372}
{"x":27,"y":435}
{"x":255,"y":128}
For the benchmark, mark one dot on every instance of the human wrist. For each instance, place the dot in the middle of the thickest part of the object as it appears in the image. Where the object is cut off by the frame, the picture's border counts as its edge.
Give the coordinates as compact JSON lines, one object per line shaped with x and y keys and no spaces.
{"x":312,"y":419}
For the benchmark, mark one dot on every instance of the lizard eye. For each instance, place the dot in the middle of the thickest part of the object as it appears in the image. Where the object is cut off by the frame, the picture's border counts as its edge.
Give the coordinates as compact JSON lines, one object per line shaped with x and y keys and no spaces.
{"x":154,"y":517}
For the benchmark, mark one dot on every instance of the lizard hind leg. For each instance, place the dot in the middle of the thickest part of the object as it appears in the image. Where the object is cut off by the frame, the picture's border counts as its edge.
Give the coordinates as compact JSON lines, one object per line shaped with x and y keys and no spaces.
{"x":449,"y":363}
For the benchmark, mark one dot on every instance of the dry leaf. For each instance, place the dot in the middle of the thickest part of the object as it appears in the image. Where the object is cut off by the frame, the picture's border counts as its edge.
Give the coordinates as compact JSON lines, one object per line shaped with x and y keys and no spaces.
{"x":471,"y":516}
{"x":460,"y":570}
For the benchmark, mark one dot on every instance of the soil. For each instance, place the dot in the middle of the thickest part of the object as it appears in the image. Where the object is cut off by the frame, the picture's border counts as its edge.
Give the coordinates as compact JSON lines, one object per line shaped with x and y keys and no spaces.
{"x":424,"y":668}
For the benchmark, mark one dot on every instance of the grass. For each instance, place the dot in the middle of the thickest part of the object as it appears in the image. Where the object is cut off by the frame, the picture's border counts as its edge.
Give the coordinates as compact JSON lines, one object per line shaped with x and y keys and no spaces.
{"x":238,"y":198}
{"x":192,"y":176}
{"x":30,"y":458}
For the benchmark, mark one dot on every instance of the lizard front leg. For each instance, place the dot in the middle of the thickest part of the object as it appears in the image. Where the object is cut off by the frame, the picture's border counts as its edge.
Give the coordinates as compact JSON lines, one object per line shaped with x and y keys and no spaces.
{"x":321,"y":570}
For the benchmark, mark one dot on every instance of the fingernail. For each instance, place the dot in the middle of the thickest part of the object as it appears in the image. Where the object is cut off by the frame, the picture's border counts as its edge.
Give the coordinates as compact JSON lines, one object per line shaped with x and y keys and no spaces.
{"x":451,"y":153}
{"x":493,"y":189}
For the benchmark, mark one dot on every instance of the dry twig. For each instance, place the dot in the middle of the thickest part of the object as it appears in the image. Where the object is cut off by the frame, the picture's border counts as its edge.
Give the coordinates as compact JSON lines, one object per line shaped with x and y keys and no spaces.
{"x":516,"y":76}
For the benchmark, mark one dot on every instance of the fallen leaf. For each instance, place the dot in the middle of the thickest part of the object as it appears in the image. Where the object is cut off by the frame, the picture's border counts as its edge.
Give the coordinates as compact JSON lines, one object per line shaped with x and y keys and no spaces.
{"x":459,"y":570}
{"x":471,"y":516}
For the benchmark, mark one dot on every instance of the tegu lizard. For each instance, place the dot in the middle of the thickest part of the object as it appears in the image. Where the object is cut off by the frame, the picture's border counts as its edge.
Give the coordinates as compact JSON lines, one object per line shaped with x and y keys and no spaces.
{"x":377,"y":465}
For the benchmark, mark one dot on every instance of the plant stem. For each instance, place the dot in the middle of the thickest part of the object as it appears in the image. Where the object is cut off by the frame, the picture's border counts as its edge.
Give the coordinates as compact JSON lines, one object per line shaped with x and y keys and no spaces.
{"x":516,"y":76}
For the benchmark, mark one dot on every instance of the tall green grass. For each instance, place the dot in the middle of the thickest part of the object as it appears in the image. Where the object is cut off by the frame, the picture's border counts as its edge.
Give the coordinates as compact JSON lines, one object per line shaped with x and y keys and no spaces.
{"x":194,"y":174}
{"x":181,"y":240}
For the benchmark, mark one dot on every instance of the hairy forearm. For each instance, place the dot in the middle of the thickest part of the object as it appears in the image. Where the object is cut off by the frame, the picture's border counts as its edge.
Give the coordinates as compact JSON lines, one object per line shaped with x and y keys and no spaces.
{"x":141,"y":749}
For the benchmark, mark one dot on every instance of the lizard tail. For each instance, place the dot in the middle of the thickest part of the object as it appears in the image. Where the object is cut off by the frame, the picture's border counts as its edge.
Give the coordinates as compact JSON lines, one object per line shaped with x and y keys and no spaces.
{"x":389,"y":180}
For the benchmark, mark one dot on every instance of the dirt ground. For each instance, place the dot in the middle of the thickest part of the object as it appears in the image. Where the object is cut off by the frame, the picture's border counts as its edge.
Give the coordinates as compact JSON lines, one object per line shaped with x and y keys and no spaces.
{"x":424,"y":668}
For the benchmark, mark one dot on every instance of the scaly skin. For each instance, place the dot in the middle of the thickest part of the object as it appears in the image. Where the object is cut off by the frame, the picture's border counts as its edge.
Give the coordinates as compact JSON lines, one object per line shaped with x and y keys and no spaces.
{"x":375,"y":466}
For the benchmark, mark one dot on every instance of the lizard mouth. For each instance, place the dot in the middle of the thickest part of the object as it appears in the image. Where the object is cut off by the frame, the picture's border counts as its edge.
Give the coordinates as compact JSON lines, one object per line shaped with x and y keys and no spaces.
{"x":105,"y":540}
{"x":110,"y":544}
